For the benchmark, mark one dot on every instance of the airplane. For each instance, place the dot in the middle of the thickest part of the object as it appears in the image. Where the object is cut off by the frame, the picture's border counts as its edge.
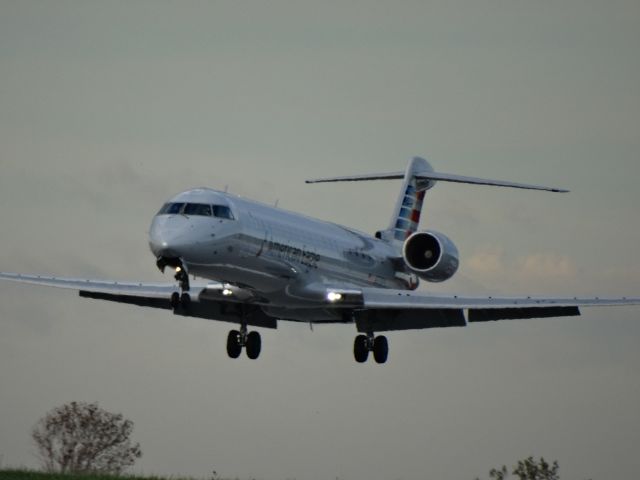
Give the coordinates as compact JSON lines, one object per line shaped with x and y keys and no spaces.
{"x":261,"y":264}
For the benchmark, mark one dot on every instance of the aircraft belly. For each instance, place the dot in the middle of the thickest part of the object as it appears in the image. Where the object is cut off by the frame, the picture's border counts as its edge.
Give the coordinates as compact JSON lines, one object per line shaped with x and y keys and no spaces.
{"x":243,"y":275}
{"x":308,"y":314}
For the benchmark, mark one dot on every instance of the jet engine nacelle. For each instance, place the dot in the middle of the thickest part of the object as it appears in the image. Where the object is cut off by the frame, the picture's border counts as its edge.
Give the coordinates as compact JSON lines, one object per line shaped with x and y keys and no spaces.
{"x":431,"y":255}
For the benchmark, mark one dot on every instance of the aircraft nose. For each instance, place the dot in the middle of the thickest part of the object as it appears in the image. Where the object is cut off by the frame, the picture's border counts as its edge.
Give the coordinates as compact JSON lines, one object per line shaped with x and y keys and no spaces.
{"x":166,"y":241}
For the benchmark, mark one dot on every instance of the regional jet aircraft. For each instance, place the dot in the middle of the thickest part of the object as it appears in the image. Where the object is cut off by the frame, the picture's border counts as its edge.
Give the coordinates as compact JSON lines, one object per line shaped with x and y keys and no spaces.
{"x":263,"y":264}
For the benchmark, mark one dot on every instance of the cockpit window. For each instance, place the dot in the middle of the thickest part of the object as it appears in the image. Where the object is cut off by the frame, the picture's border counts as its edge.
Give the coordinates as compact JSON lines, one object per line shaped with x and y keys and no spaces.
{"x":222,"y":211}
{"x":201,"y":209}
{"x":171,"y":208}
{"x":198,"y":209}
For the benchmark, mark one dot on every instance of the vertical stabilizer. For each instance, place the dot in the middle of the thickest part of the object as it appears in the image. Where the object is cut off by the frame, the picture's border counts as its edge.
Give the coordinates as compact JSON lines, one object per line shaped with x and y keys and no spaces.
{"x":406,"y":215}
{"x":417,"y":179}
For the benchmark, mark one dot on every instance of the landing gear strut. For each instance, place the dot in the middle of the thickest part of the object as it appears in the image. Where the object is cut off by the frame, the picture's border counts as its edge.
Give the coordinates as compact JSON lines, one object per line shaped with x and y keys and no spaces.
{"x":364,"y":344}
{"x":180,"y":299}
{"x":183,"y":277}
{"x":238,"y":339}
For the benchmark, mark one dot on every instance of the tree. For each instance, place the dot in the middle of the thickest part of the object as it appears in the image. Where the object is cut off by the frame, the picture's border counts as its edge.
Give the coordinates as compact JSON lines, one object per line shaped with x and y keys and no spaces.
{"x":82,"y":437}
{"x":528,"y":469}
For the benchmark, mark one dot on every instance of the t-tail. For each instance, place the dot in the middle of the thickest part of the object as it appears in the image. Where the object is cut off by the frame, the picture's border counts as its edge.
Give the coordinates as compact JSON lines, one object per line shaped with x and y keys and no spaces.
{"x":419,"y":177}
{"x":406,"y":215}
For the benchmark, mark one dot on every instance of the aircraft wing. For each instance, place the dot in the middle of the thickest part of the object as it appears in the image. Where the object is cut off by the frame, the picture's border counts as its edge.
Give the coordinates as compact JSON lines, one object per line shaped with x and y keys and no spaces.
{"x":208,"y":300}
{"x":385,"y":310}
{"x":383,"y":298}
{"x":150,"y":290}
{"x":375,"y":309}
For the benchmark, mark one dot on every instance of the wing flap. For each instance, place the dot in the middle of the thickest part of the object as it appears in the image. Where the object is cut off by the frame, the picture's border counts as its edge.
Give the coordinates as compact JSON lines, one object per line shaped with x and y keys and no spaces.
{"x":399,"y":319}
{"x":488,"y":315}
{"x":153,"y":302}
{"x":208,"y":309}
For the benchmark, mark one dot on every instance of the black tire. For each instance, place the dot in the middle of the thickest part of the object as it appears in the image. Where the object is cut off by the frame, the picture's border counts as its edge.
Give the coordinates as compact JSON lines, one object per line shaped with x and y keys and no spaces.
{"x":380,"y":349}
{"x":233,"y":344}
{"x":185,"y":301}
{"x":360,"y":350}
{"x":254,"y":344}
{"x":175,"y":300}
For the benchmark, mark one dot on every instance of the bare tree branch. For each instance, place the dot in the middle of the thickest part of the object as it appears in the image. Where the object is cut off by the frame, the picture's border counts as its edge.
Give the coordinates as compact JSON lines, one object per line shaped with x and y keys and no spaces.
{"x":82,"y":437}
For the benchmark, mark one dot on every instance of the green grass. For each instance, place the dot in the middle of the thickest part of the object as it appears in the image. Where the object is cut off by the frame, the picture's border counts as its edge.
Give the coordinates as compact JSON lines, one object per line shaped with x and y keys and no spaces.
{"x":33,"y":475}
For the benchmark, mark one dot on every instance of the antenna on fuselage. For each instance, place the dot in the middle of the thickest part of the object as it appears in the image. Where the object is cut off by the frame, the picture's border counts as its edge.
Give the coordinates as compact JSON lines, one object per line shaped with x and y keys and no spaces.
{"x":226,"y":189}
{"x":277,"y":202}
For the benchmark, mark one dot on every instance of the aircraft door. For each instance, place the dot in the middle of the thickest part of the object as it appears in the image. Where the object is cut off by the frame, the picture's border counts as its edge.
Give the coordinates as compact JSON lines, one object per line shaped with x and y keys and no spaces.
{"x":261,"y":236}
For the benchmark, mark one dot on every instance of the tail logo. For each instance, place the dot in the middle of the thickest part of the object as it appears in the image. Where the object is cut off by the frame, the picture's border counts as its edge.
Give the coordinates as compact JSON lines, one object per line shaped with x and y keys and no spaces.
{"x":409,"y":214}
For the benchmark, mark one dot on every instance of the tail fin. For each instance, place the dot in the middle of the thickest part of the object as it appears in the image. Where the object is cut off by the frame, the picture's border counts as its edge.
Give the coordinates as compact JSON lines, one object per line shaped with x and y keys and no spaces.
{"x":406,"y":215}
{"x":418,"y":178}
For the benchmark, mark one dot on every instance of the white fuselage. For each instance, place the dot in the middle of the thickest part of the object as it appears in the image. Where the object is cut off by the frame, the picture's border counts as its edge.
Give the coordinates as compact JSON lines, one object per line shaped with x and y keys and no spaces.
{"x":273,"y":252}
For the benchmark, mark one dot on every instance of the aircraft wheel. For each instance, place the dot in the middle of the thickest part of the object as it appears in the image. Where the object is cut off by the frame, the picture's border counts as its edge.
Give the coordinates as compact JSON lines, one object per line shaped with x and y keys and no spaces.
{"x":233,"y":344}
{"x":185,"y":300}
{"x":380,"y":349}
{"x":360,"y":350}
{"x":175,"y":300}
{"x":254,"y":344}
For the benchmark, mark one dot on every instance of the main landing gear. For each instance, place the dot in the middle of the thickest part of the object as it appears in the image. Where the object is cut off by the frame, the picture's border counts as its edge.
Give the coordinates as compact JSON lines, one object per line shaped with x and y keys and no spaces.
{"x":238,"y":339}
{"x":364,"y":344}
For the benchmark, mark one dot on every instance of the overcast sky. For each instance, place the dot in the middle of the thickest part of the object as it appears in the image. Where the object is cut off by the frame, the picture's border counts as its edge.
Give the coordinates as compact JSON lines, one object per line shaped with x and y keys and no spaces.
{"x":109,"y":108}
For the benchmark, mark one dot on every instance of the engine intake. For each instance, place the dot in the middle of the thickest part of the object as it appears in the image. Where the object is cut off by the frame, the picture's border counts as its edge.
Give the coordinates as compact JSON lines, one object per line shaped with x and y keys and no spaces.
{"x":431,"y":255}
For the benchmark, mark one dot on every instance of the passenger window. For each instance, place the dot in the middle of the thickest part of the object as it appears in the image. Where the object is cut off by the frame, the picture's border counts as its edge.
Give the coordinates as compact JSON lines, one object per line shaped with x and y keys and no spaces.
{"x":200,"y":209}
{"x":222,"y":211}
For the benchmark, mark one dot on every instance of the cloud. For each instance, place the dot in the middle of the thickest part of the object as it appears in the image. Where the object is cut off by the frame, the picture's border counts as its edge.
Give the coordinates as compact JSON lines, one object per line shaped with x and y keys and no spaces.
{"x":492,"y":263}
{"x":546,"y":265}
{"x":488,"y":262}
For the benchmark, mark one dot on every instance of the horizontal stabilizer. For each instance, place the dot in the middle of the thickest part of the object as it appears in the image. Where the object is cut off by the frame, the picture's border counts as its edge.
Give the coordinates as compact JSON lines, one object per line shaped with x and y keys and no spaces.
{"x":447,"y":177}
{"x":360,"y":178}
{"x":431,"y":177}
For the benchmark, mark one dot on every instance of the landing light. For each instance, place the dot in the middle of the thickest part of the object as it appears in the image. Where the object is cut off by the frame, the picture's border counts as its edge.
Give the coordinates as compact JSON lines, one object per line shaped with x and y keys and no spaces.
{"x":227,"y":292}
{"x":334,"y":296}
{"x":178,"y":269}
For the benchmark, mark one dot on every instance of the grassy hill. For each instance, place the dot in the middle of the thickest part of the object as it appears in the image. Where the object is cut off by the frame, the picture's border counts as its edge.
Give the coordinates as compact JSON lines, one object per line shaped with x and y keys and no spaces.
{"x":31,"y":475}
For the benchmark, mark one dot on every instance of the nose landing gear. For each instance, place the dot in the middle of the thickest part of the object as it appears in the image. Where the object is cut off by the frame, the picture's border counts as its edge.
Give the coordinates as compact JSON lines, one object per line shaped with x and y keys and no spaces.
{"x":182,"y":299}
{"x":364,"y":344}
{"x":183,"y":277}
{"x":238,"y":339}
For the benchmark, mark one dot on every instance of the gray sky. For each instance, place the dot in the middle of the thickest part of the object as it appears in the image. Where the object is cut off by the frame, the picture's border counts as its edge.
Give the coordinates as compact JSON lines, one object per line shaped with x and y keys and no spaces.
{"x":109,"y":108}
